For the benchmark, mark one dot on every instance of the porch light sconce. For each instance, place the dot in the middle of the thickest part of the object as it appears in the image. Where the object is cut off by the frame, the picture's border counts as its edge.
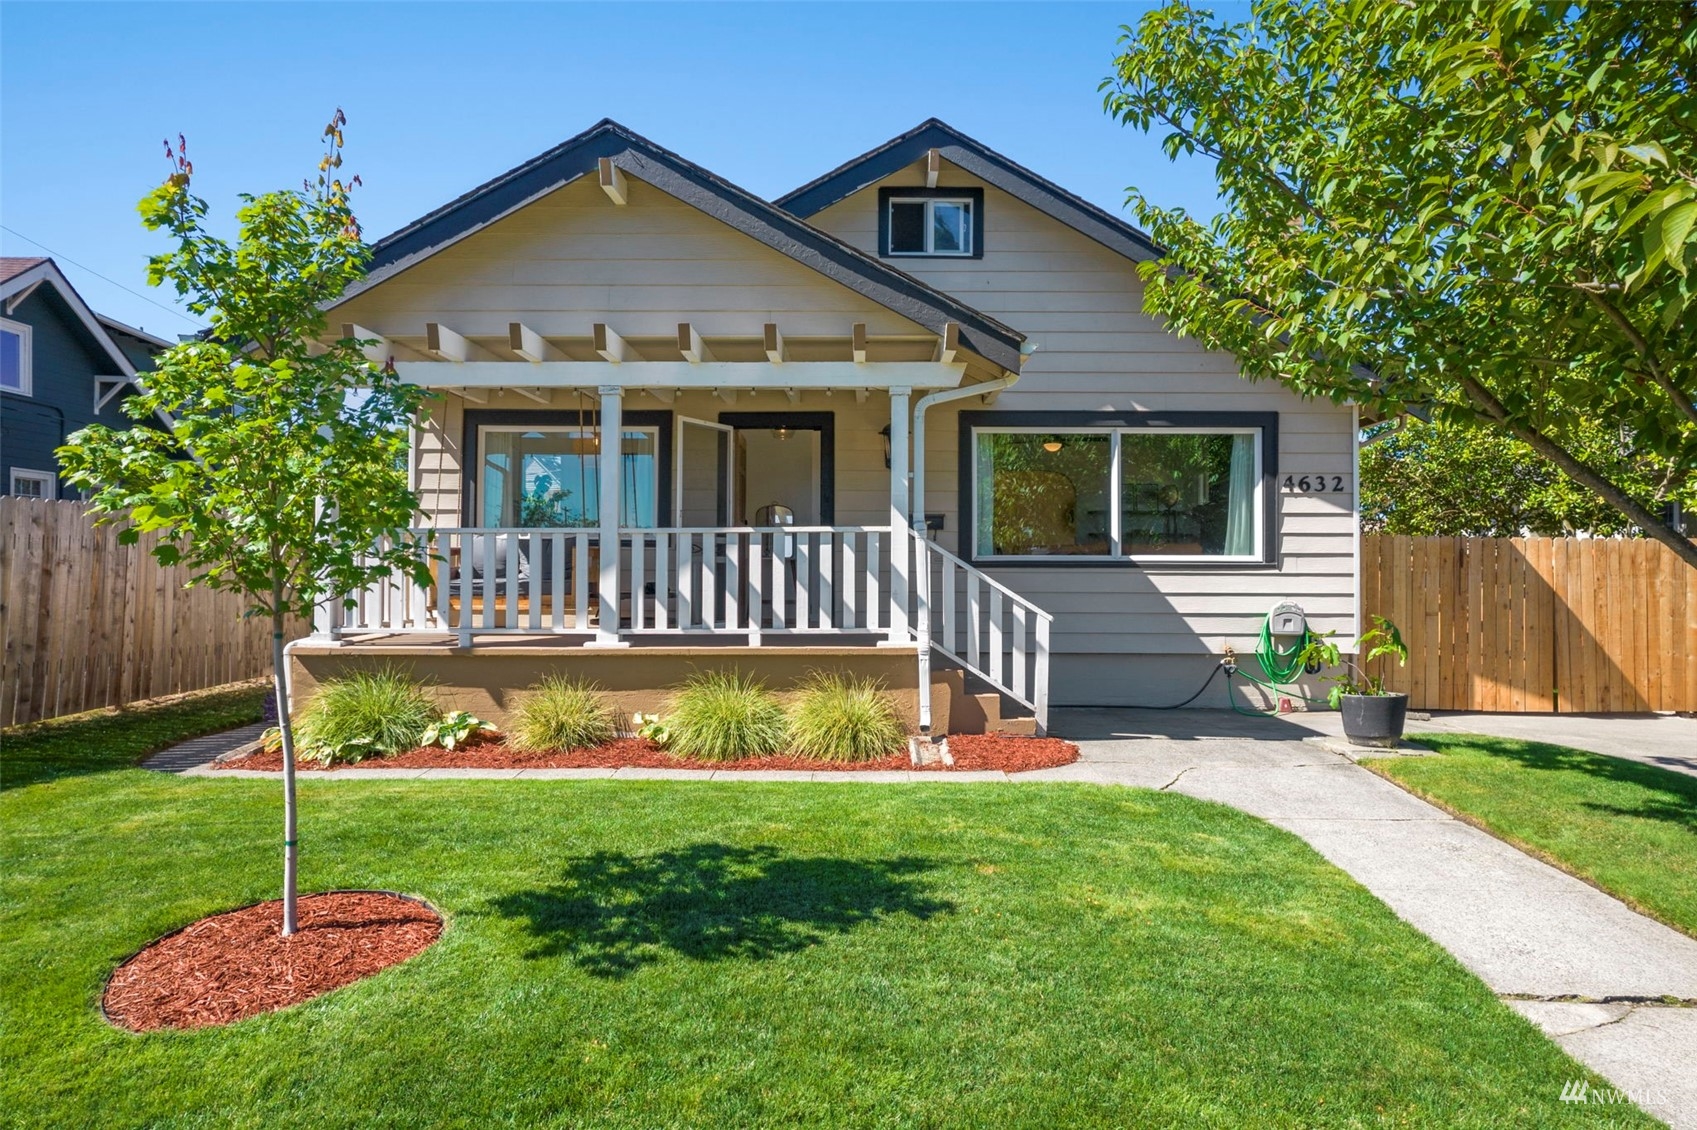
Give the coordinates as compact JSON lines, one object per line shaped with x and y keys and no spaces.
{"x":885,"y":432}
{"x":781,"y":432}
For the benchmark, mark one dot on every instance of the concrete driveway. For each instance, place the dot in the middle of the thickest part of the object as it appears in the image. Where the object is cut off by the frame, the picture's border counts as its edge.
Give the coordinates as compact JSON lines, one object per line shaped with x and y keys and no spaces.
{"x":1615,"y":989}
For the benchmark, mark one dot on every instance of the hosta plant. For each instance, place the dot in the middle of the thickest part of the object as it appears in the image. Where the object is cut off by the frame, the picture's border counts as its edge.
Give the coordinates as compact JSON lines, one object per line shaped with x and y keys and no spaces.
{"x":456,"y":729}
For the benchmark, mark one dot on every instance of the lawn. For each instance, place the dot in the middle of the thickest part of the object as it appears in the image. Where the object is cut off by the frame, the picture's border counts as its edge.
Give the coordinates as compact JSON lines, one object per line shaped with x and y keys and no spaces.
{"x":121,"y":737}
{"x":652,"y":954}
{"x":1629,"y":828}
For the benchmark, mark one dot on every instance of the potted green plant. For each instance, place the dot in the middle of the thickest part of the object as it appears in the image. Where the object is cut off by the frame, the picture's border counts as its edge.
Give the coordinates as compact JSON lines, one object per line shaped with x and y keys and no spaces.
{"x":1372,"y":715}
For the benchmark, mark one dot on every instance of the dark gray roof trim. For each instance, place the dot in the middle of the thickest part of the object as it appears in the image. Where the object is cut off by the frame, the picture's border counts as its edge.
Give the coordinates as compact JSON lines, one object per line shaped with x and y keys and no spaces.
{"x":690,"y":183}
{"x":983,"y":162}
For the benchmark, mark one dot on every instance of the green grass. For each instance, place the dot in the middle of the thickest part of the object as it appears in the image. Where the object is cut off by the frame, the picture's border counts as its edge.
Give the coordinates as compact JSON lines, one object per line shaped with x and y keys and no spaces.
{"x":840,"y":718}
{"x":561,"y":713}
{"x":1629,"y":828}
{"x":656,"y":954}
{"x":724,"y":715}
{"x":122,"y":737}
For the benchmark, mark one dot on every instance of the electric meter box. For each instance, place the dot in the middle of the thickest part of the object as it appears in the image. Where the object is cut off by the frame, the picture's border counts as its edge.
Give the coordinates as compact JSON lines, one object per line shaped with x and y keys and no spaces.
{"x":1287,"y":619}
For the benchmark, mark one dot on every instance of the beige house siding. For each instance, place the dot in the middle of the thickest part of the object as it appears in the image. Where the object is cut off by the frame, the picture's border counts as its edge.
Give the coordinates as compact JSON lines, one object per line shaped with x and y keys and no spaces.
{"x":1082,"y":305}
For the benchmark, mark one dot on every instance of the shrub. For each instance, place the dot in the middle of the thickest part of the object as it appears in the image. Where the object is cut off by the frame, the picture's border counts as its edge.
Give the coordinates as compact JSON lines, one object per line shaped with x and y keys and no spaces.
{"x":841,"y":718}
{"x":366,"y":714}
{"x":721,"y":716}
{"x":562,"y":713}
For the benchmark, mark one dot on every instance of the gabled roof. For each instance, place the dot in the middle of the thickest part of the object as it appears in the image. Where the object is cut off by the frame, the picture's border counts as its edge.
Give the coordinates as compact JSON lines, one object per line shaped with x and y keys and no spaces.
{"x":153,"y":341}
{"x":686,"y":181}
{"x":10,"y":266}
{"x":982,"y":162}
{"x":18,"y":277}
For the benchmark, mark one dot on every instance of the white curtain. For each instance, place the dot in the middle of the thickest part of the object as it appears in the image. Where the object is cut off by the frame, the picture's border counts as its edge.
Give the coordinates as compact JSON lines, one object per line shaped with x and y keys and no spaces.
{"x":1240,"y":501}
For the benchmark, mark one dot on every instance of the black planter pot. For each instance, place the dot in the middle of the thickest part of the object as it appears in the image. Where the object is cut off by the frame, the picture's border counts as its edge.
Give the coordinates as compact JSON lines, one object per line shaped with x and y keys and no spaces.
{"x":1374,"y":719}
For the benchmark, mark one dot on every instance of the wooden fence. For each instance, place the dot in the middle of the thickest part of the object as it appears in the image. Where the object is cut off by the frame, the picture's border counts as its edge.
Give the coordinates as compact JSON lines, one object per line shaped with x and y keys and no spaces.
{"x":88,"y":622}
{"x":1536,"y":624}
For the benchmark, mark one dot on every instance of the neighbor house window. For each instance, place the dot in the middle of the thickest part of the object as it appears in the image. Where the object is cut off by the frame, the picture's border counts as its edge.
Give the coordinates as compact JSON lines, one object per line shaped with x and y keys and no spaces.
{"x":1165,"y":493}
{"x":551,"y":476}
{"x":15,"y":357}
{"x":33,"y":484}
{"x":938,"y":222}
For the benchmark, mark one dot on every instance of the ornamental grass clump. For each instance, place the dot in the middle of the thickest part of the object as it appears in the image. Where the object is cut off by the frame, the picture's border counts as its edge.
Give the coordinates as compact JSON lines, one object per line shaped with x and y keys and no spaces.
{"x":561,"y":714}
{"x":366,"y":714}
{"x":840,"y":718}
{"x":723,"y":716}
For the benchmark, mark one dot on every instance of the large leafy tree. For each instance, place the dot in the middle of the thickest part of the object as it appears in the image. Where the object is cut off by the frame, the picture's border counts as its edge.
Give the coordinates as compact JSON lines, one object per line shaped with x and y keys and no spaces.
{"x":1434,"y":478}
{"x":285,"y":461}
{"x":1486,"y":209}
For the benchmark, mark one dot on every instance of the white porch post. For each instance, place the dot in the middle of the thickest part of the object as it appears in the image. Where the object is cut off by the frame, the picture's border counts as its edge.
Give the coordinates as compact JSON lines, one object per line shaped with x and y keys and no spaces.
{"x":612,"y":444}
{"x":900,"y":540}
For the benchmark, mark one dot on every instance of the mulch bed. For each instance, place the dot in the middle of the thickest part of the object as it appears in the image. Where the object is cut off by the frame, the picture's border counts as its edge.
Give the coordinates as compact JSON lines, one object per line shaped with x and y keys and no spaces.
{"x":970,"y":751}
{"x":235,"y":965}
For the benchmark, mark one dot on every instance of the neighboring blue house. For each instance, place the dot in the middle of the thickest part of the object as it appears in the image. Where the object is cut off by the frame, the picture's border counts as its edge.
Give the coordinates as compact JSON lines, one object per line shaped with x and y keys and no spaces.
{"x":62,"y":366}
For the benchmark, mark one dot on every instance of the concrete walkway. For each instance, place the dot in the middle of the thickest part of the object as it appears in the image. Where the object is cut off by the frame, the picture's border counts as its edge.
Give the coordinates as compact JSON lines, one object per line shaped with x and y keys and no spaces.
{"x":1525,"y":928}
{"x":190,"y":755}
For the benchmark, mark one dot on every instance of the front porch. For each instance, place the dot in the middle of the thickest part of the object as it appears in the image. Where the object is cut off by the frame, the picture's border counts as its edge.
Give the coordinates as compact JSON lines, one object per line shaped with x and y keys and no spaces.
{"x":508,"y":605}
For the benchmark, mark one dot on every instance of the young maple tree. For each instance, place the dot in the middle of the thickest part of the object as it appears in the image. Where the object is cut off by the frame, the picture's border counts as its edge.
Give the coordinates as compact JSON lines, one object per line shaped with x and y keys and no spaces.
{"x":284,"y":467}
{"x":1486,"y":211}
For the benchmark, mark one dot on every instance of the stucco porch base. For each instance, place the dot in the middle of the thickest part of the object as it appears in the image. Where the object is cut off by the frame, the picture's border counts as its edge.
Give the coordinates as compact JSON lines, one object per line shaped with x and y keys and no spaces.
{"x":489,"y":678}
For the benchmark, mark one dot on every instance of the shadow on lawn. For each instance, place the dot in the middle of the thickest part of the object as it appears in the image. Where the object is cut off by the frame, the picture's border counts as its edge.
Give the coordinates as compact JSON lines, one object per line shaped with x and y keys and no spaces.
{"x":1675,"y":802}
{"x":613,"y":913}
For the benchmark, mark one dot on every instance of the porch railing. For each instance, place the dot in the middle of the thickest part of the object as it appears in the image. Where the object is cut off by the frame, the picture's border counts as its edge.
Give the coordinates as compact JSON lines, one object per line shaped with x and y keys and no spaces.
{"x":754,"y":580}
{"x":984,"y":626}
{"x":690,"y":580}
{"x":726,"y":581}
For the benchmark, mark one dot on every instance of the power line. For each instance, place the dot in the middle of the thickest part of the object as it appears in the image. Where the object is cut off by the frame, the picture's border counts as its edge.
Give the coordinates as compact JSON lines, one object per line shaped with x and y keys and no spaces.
{"x":103,"y":278}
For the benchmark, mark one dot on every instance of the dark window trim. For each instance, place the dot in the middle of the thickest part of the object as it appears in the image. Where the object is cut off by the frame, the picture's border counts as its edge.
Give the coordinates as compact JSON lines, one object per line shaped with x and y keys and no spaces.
{"x":975,"y":195}
{"x":556,"y":418}
{"x":825,"y":423}
{"x":1268,"y":422}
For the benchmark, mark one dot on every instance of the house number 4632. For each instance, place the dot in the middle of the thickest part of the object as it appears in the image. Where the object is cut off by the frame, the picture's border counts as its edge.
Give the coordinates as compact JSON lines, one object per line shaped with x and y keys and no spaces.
{"x":1315,"y":484}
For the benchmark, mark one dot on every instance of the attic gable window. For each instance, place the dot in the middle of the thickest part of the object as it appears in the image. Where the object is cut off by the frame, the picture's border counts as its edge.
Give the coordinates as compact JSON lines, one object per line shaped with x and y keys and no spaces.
{"x":941,"y":223}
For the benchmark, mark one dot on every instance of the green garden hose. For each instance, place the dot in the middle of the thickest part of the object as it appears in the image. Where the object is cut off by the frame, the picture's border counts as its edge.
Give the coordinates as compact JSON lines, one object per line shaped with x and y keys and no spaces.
{"x":1280,"y":666}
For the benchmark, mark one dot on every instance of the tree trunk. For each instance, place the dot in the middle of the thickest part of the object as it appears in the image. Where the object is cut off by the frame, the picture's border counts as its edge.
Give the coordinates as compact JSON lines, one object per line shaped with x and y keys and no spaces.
{"x":1652,"y":526}
{"x":285,"y":726}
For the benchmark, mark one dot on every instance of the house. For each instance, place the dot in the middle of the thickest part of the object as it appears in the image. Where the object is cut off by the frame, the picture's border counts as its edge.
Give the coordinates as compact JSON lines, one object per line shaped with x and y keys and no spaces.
{"x":62,"y":367}
{"x":909,"y":419}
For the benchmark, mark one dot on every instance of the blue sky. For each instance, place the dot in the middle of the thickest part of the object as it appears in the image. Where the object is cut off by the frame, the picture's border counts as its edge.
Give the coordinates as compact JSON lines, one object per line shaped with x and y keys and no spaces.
{"x":441,"y":96}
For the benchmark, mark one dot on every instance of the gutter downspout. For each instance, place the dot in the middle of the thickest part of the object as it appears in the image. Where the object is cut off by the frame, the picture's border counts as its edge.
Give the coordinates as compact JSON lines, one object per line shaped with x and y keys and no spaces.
{"x":922,"y":571}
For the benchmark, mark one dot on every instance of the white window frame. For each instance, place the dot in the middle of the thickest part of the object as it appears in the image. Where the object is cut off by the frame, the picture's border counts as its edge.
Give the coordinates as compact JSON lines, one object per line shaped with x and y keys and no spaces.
{"x":589,"y":427}
{"x":1116,"y":484}
{"x":26,"y":357}
{"x":966,"y":203}
{"x":48,"y":480}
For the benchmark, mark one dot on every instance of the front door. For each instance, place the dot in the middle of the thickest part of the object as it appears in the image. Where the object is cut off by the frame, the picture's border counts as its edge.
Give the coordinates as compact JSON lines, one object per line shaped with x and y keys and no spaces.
{"x":783,"y":468}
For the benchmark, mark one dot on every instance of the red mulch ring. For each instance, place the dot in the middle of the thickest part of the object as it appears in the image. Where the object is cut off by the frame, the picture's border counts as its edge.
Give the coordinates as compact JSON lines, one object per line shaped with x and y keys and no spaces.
{"x":970,"y":751}
{"x":231,"y":966}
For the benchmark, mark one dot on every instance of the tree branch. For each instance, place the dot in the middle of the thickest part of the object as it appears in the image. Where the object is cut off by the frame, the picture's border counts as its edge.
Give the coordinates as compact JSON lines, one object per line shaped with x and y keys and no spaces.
{"x":1656,"y":373}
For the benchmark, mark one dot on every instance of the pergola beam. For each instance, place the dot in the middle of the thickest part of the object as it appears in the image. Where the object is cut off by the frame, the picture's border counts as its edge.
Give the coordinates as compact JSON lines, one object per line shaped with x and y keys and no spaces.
{"x":774,"y":344}
{"x":610,"y":345}
{"x":695,"y":350}
{"x":530,"y":345}
{"x":948,"y":345}
{"x":445,"y":343}
{"x":379,"y":352}
{"x":749,"y":376}
{"x":540,"y":395}
{"x":475,"y":395}
{"x":613,"y":181}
